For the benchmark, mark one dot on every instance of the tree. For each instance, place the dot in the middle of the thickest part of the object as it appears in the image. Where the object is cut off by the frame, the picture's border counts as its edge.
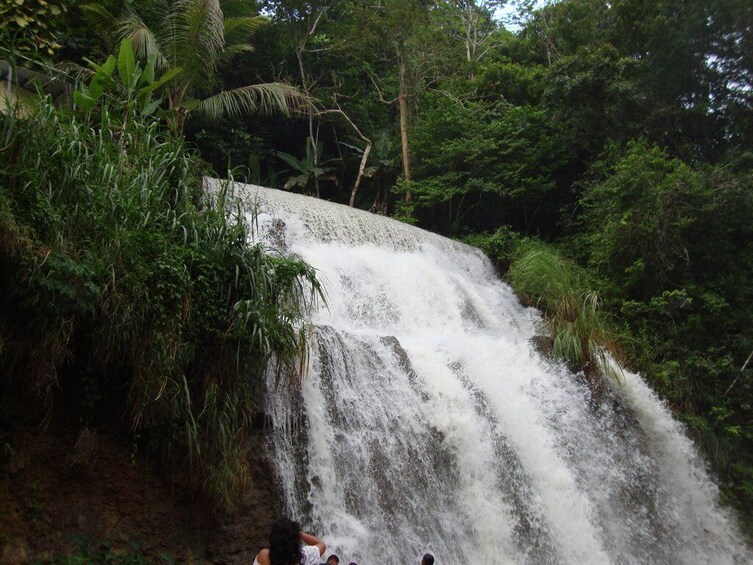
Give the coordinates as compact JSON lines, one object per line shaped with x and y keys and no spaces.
{"x":478,"y":26}
{"x":695,"y":60}
{"x":402,"y":21}
{"x":638,"y":219}
{"x":303,"y":18}
{"x":593,"y":97}
{"x":198,"y":37}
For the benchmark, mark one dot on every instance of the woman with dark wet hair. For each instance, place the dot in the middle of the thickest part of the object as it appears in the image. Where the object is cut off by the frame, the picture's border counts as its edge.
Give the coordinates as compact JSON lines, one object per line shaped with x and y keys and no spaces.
{"x":288,"y":545}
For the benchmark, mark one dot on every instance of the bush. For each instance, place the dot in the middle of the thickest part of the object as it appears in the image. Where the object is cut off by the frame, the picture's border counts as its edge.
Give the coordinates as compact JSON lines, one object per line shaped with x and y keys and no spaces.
{"x":124,"y":287}
{"x":638,"y":218}
{"x":501,"y":246}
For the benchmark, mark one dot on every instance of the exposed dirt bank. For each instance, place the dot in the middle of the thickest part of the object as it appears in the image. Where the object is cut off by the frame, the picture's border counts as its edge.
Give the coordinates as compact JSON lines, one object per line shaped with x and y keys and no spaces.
{"x":104,"y":501}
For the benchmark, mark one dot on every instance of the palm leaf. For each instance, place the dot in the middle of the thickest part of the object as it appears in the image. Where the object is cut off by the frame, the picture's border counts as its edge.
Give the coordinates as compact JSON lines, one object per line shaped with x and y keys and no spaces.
{"x":102,"y":20}
{"x":268,"y":98}
{"x":233,"y":8}
{"x":198,"y":34}
{"x":238,"y":30}
{"x":297,"y":164}
{"x":234,"y":50}
{"x":145,"y":43}
{"x":196,"y":37}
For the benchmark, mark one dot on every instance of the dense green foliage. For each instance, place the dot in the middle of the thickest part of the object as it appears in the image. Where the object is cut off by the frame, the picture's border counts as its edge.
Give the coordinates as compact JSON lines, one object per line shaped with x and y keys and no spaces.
{"x":619,"y":134}
{"x":130,"y":294}
{"x":674,"y":248}
{"x":191,"y":39}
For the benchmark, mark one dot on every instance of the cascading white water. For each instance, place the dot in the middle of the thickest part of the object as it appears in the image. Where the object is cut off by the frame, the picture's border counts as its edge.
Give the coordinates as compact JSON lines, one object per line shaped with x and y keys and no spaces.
{"x":429,"y":422}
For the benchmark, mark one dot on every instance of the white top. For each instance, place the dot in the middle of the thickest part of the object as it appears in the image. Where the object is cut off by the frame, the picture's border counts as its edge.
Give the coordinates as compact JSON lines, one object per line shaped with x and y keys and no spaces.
{"x":309,"y":555}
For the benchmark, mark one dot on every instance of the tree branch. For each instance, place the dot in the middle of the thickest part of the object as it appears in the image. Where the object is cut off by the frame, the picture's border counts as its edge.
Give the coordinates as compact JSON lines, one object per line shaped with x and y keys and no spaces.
{"x":379,"y":91}
{"x":366,"y":151}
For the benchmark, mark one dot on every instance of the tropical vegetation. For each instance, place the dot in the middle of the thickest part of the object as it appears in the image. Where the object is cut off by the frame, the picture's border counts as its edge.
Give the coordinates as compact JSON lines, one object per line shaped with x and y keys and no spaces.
{"x":133,"y":293}
{"x":600,"y":151}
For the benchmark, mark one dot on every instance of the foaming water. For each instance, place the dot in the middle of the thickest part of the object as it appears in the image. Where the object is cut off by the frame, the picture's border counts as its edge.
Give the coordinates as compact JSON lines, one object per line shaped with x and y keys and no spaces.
{"x":428,"y":421}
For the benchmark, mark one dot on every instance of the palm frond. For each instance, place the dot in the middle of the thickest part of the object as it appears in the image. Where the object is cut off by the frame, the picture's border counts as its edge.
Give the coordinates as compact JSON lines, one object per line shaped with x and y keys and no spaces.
{"x":238,"y":30}
{"x":267,"y":98}
{"x":145,"y":42}
{"x":198,"y":35}
{"x":234,"y":50}
{"x":102,"y":21}
{"x":235,"y":8}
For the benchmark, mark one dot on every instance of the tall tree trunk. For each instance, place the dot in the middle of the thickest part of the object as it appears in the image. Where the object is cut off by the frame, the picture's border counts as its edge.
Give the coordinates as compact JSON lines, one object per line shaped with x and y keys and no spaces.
{"x":361,"y":169}
{"x":403,"y":105}
{"x":314,"y":139}
{"x":468,"y":25}
{"x":300,"y":47}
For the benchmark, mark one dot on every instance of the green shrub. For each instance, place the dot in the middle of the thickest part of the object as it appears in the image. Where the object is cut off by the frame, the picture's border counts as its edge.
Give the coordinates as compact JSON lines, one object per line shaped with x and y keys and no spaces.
{"x":638,"y":219}
{"x":501,"y":246}
{"x":127,"y":288}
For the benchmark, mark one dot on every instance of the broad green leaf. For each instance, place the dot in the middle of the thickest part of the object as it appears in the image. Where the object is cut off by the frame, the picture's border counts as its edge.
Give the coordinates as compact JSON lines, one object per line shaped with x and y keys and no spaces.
{"x":99,"y":83}
{"x":135,"y":77}
{"x":143,"y":99}
{"x":126,"y":63}
{"x":149,"y":108}
{"x":147,"y":77}
{"x":83,"y":100}
{"x":290,"y":160}
{"x":109,"y":66}
{"x":96,"y":88}
{"x":106,"y":68}
{"x":164,"y":79}
{"x":190,"y":104}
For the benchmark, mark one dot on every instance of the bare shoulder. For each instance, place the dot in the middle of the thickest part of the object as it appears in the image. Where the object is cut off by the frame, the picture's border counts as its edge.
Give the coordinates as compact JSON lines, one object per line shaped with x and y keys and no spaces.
{"x":263,"y":557}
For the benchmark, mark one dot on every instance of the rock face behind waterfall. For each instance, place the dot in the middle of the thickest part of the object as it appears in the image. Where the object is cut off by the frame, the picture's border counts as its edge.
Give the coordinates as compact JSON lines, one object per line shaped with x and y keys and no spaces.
{"x":428,"y":421}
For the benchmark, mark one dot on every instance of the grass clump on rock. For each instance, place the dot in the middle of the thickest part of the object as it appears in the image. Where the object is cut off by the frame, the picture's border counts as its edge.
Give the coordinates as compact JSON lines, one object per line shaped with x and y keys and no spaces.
{"x":578,"y":328}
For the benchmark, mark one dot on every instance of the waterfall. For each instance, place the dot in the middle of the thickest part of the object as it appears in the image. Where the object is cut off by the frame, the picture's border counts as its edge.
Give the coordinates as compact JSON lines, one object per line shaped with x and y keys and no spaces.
{"x":428,"y":421}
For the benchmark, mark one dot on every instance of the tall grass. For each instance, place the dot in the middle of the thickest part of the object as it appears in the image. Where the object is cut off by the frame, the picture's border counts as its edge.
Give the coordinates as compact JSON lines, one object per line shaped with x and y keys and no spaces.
{"x":578,"y":328}
{"x":123,"y":287}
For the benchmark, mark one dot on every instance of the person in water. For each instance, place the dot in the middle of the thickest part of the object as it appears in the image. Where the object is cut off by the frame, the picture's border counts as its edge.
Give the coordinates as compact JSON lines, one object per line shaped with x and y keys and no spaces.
{"x":288,"y":545}
{"x":332,"y":560}
{"x":428,"y":559}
